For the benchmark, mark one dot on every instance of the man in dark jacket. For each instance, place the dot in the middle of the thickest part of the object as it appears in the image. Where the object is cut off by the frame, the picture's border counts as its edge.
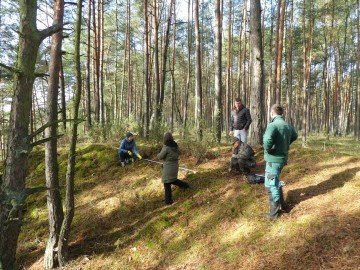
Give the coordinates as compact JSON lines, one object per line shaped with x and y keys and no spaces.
{"x":277,"y":139}
{"x":127,"y":150}
{"x":240,"y":121}
{"x":242,"y":158}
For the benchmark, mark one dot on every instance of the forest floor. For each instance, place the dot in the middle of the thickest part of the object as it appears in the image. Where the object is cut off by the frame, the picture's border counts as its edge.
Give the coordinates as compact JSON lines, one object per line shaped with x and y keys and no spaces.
{"x":121,"y":222}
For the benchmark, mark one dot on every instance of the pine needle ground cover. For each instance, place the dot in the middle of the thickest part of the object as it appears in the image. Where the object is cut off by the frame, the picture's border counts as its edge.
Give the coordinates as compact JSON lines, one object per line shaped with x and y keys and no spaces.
{"x":121,"y":222}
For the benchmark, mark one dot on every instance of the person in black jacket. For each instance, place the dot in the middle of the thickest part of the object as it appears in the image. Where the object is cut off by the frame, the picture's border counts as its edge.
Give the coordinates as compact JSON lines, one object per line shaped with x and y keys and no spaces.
{"x":240,"y":121}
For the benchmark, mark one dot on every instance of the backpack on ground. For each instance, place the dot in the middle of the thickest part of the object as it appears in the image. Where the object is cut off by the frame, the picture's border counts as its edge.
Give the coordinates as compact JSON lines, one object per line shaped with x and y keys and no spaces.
{"x":255,"y":179}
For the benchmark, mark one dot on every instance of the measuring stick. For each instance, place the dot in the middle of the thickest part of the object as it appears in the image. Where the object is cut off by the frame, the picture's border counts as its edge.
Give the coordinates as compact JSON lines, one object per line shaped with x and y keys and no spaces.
{"x":182,"y":168}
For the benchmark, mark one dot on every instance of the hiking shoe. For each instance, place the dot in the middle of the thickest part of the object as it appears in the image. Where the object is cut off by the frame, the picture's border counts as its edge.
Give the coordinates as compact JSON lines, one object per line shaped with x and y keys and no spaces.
{"x":122,"y":164}
{"x":131,"y":160}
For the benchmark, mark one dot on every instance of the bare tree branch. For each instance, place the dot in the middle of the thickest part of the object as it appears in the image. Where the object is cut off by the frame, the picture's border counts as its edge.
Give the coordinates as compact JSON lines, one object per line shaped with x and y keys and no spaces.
{"x":13,"y":70}
{"x":45,"y":140}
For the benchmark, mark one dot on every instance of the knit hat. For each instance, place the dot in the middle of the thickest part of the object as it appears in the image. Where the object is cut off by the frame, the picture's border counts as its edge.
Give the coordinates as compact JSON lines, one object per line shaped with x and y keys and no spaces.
{"x":129,"y":134}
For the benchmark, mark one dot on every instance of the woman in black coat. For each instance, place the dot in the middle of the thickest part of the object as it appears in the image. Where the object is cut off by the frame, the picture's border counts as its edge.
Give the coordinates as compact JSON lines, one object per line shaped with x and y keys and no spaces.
{"x":170,"y":154}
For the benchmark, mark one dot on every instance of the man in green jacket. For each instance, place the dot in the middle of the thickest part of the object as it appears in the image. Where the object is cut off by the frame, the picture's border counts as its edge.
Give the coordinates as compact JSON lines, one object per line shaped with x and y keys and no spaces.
{"x":277,"y":139}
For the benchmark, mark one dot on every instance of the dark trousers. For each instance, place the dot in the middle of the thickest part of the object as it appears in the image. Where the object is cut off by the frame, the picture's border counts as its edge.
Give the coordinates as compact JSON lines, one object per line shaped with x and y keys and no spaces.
{"x":275,"y":206}
{"x":125,"y":155}
{"x":167,"y":188}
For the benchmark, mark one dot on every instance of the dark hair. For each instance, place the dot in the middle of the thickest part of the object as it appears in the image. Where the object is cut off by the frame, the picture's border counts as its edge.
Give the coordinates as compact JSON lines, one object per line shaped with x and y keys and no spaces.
{"x":168,"y":137}
{"x":129,"y":134}
{"x":276,"y":108}
{"x":238,"y":99}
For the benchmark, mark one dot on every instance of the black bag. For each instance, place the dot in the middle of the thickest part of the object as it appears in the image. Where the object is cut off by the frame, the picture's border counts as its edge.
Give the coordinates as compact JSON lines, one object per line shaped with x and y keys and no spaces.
{"x":255,"y":178}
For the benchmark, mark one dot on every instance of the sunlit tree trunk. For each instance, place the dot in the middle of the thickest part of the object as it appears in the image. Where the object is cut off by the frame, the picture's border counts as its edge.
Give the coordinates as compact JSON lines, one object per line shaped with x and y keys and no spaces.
{"x":155,"y":120}
{"x":257,"y":67}
{"x":239,"y":63}
{"x":279,"y":49}
{"x":243,"y":85}
{"x":290,"y":67}
{"x":228,"y":70}
{"x":188,"y":77}
{"x":269,"y":93}
{"x":147,"y":63}
{"x":54,"y":205}
{"x":70,"y":172}
{"x":88,"y":70}
{"x":173,"y":72}
{"x":218,"y":86}
{"x":13,"y":193}
{"x":198,"y":75}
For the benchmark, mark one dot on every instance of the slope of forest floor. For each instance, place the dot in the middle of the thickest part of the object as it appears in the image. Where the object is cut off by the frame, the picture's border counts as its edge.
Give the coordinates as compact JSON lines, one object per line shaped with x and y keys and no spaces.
{"x":122,"y":223}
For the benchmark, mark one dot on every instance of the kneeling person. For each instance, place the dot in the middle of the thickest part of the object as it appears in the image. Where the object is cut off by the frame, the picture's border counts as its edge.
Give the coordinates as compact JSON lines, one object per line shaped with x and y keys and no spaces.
{"x":127,"y":150}
{"x":242,"y":158}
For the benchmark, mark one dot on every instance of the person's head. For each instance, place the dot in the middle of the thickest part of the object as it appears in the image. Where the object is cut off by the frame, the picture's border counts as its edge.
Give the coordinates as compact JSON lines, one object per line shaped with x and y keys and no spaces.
{"x":236,"y":142}
{"x":129,"y":136}
{"x":168,"y":137}
{"x":276,"y":109}
{"x":238,"y":103}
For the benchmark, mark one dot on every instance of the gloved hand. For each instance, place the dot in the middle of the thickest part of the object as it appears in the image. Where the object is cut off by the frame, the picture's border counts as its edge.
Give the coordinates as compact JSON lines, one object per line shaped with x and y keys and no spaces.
{"x":130,"y":153}
{"x":139,"y":157}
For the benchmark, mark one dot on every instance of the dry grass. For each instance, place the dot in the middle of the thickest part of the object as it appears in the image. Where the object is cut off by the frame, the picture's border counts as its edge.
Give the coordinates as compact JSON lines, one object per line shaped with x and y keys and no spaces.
{"x":121,"y":222}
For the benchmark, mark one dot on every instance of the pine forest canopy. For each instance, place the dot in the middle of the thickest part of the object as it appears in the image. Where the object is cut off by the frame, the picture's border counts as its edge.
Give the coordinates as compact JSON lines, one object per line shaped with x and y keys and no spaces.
{"x":124,"y":83}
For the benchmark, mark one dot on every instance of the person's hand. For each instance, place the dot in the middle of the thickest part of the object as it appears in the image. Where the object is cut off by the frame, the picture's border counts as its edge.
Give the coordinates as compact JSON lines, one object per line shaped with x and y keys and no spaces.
{"x":130,"y":153}
{"x":139,"y":157}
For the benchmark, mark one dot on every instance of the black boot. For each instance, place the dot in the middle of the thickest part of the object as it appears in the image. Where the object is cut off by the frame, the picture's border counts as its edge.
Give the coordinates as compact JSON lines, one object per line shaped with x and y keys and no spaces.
{"x":282,"y":201}
{"x":274,"y":210}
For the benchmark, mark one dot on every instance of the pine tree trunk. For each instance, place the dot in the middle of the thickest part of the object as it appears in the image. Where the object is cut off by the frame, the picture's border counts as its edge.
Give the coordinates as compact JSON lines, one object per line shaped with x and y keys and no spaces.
{"x":279,"y":48}
{"x":173,"y":73}
{"x":70,"y":173}
{"x":54,"y":205}
{"x":290,"y":67}
{"x":13,"y":193}
{"x":228,"y":71}
{"x":156,"y":117}
{"x":257,"y":71}
{"x":96,"y":67}
{"x":218,"y":86}
{"x":243,"y":85}
{"x":164,"y":62}
{"x":146,"y":80}
{"x":63,"y":94}
{"x":88,"y":71}
{"x":187,"y":88}
{"x":198,"y":75}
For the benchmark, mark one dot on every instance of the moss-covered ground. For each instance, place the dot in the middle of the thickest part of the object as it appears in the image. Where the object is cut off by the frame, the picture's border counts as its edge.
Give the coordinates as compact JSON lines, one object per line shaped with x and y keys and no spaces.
{"x":121,"y":222}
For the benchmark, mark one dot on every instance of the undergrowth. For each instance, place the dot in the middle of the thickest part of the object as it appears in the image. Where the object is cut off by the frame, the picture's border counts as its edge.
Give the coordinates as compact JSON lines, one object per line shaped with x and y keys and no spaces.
{"x":121,"y":222}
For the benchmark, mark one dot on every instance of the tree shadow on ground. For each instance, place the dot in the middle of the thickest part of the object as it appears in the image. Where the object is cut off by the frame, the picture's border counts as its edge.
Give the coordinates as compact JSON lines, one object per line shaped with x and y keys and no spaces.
{"x":128,"y":223}
{"x":333,"y":244}
{"x":296,"y":196}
